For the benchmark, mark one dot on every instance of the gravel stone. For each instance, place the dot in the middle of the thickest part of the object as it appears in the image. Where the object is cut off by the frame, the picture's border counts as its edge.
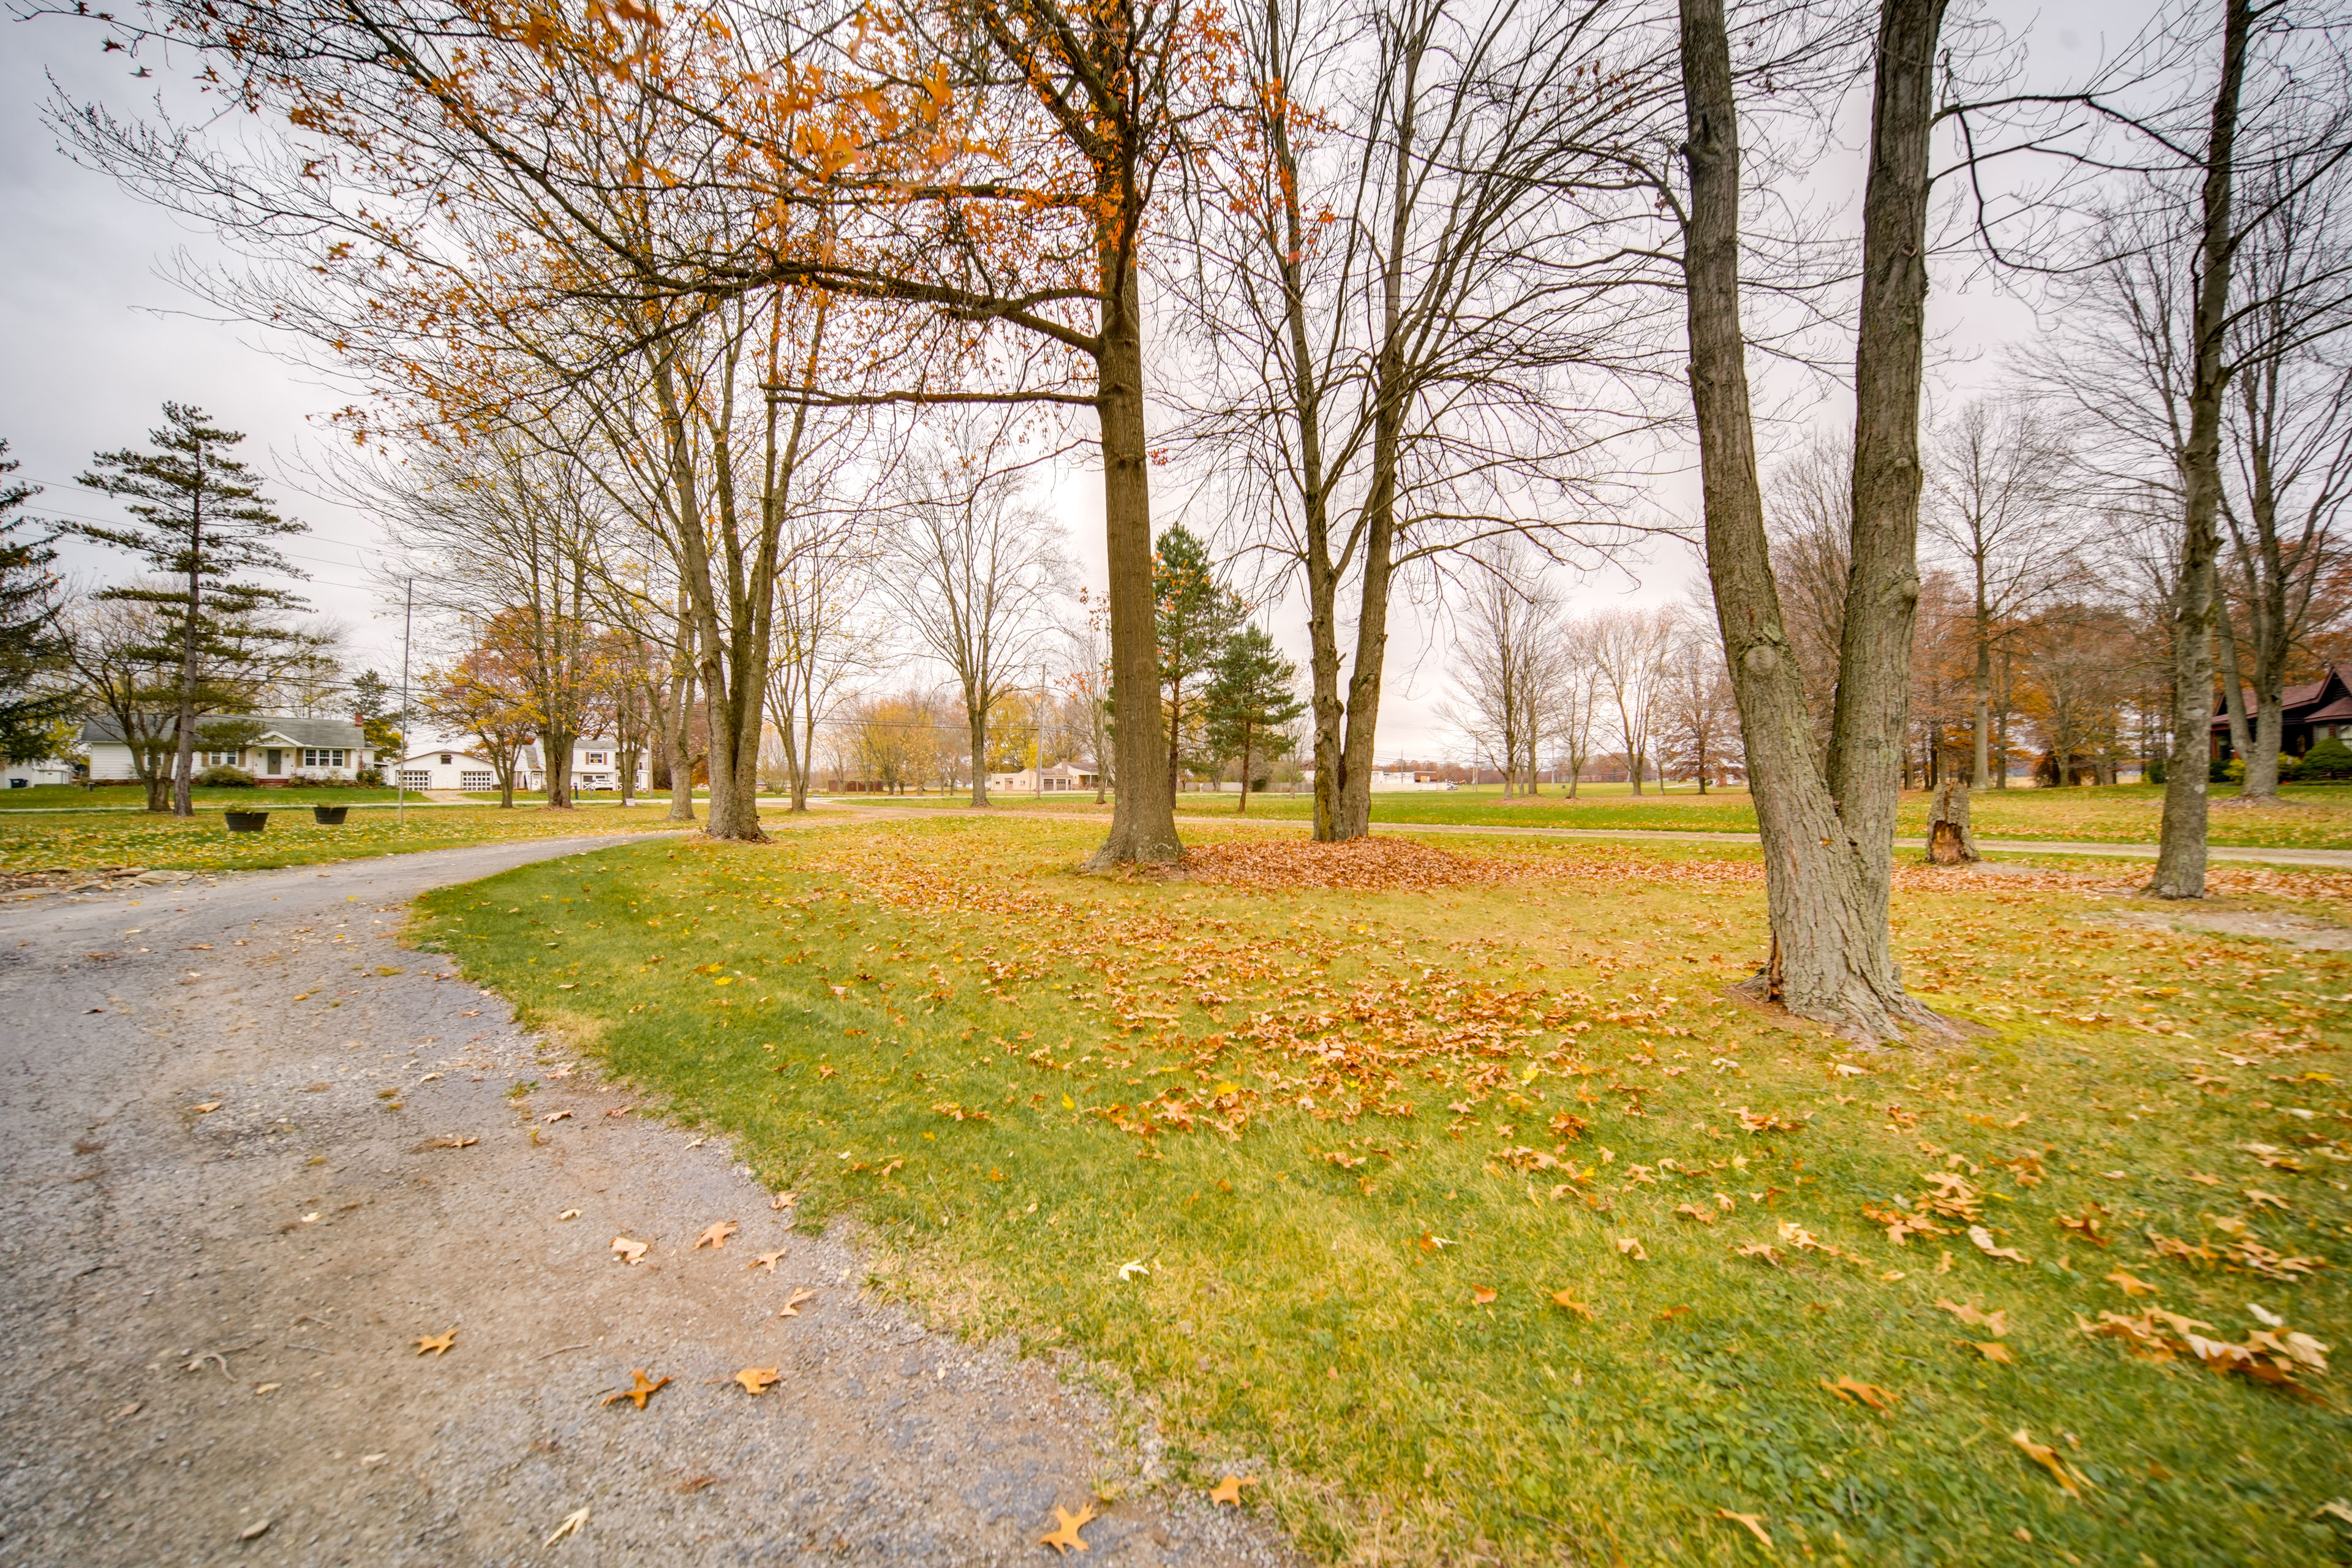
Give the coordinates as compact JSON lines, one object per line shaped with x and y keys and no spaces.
{"x":210,"y":1315}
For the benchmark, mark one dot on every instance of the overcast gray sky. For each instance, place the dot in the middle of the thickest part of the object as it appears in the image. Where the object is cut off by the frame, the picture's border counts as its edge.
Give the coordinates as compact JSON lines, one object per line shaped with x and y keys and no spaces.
{"x":96,"y":338}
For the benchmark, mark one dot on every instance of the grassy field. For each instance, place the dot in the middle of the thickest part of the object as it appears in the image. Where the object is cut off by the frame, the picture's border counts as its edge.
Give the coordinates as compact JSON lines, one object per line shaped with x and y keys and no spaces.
{"x":2316,"y":817}
{"x":1455,"y":1203}
{"x":85,"y":841}
{"x":120,"y":797}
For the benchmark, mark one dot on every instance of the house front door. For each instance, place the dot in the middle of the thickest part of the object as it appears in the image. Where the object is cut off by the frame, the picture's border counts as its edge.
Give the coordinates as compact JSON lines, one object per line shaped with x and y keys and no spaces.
{"x":274,"y":763}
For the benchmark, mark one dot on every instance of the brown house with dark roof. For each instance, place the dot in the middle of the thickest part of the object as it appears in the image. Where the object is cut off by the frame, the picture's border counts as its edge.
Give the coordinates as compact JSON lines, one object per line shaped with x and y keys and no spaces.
{"x":2313,"y":712}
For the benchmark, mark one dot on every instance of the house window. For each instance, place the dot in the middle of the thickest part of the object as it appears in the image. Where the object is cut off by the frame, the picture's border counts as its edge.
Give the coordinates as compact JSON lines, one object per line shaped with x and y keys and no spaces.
{"x":415,"y":778}
{"x":222,"y":759}
{"x":594,"y":757}
{"x":477,"y":780}
{"x":447,"y":759}
{"x":327,"y":757}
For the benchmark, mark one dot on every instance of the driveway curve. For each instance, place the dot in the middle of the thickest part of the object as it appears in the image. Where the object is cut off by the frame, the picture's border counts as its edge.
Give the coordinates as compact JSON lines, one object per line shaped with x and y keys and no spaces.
{"x":254,"y":1151}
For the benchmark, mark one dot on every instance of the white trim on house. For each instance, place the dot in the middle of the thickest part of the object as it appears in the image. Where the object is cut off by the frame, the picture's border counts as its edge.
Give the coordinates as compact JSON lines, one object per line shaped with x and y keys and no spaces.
{"x":1061,"y":778}
{"x":459,"y":763}
{"x":289,"y":750}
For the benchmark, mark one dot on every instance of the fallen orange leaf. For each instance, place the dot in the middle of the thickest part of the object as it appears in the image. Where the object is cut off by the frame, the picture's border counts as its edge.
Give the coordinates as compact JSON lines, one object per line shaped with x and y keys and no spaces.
{"x":644,"y":1390}
{"x":1230,"y":1489}
{"x":1983,"y":1239}
{"x":1481,"y":1295}
{"x":1754,"y":1522}
{"x":628,"y":1251}
{"x":1065,"y":1533}
{"x":716,"y":1237}
{"x":1996,"y":1321}
{"x":793,"y":1303}
{"x":2131,"y":1285}
{"x":436,"y":1344}
{"x":755,"y":1378}
{"x":1568,"y":1298}
{"x":2047,"y":1458}
{"x":767,"y":1260}
{"x":1993,"y":1350}
{"x":1855,"y":1392}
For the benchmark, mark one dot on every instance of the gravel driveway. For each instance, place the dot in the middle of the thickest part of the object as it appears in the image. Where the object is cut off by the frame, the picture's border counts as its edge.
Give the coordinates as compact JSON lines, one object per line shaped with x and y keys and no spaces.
{"x":254,"y":1151}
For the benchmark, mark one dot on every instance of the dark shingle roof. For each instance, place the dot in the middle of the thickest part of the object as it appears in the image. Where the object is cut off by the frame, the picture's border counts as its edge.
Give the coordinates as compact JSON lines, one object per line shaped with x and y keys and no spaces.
{"x":297,"y":732}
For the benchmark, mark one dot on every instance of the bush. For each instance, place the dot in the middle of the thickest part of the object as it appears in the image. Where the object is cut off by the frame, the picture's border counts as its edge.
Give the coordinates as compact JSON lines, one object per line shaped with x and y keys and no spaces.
{"x":2231,"y":771}
{"x":2154,"y":772}
{"x":370,"y":778}
{"x":225,"y":777}
{"x":2330,"y":759}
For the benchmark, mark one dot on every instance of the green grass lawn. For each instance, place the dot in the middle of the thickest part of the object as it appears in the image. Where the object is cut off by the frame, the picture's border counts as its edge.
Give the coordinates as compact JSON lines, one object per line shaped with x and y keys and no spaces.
{"x":121,"y":798}
{"x":2318,"y":816}
{"x":82,"y":840}
{"x":1458,"y":1205}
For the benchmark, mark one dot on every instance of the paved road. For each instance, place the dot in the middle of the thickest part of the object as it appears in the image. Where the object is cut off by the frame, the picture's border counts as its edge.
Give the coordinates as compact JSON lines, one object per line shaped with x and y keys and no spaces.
{"x":210,"y":1314}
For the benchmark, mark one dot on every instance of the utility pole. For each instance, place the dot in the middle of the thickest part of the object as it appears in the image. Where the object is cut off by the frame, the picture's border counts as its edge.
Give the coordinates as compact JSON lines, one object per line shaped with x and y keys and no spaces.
{"x":1037,"y":735}
{"x":407,"y":630}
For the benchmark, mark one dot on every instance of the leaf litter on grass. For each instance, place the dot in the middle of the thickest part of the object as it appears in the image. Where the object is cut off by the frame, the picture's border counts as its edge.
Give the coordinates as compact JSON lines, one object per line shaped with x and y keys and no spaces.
{"x":1236,"y":1043}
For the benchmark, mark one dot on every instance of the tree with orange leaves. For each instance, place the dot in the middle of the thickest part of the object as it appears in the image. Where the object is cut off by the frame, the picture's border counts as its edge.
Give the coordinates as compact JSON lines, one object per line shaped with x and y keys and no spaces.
{"x":470,"y":179}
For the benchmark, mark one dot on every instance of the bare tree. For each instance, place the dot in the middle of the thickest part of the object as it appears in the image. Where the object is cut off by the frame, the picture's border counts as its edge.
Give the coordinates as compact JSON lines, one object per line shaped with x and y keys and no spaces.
{"x":2288,"y":433}
{"x":1505,"y":617}
{"x":1997,"y":477}
{"x":1809,"y":516}
{"x":1632,"y":652}
{"x":1828,"y":831}
{"x":975,"y":574}
{"x":500,"y":537}
{"x":1699,"y":721}
{"x":1571,"y":701}
{"x":1409,"y":284}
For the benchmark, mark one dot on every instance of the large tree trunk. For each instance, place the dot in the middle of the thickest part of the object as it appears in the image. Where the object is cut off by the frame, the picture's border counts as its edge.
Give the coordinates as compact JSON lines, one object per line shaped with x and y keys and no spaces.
{"x":1143,"y":819}
{"x":1873,"y":689}
{"x":2233,"y":692}
{"x":1380,"y":501}
{"x":2181,"y":852}
{"x":979,"y":748}
{"x":1949,"y":842}
{"x":679,"y":733}
{"x":1981,"y":687}
{"x":184,"y":749}
{"x":1830,"y":959}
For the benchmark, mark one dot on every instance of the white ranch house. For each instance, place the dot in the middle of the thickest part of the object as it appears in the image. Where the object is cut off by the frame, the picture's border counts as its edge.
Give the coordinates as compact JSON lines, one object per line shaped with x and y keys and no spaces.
{"x":1061,"y":776}
{"x":458,"y":762}
{"x":288,"y":751}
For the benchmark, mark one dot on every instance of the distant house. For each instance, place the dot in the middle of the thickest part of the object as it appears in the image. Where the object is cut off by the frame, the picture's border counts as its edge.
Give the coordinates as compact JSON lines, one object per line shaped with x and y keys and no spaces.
{"x":458,"y":762}
{"x":40,"y":771}
{"x":2313,"y":712}
{"x":288,"y":751}
{"x":1060,"y":778}
{"x":1394,"y":776}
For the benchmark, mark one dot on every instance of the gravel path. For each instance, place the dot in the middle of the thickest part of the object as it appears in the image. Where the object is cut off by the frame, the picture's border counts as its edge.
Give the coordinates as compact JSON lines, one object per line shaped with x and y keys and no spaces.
{"x":254,"y":1151}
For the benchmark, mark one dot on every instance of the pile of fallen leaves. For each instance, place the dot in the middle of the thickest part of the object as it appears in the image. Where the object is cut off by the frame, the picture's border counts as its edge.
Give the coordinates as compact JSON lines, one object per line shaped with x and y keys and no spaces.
{"x":1376,"y":865}
{"x":2274,"y":1355}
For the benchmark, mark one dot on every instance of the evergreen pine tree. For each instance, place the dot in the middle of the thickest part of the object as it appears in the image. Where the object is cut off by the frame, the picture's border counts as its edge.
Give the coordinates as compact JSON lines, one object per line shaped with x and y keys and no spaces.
{"x":31,"y":646}
{"x":1252,"y":696}
{"x":200,"y":520}
{"x":1197,"y":613}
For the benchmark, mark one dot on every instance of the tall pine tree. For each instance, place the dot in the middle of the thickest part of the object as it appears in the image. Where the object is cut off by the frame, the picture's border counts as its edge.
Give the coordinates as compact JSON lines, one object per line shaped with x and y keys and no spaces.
{"x":200,"y":522}
{"x":31,"y":646}
{"x":1197,"y":613}
{"x":1255,"y":694}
